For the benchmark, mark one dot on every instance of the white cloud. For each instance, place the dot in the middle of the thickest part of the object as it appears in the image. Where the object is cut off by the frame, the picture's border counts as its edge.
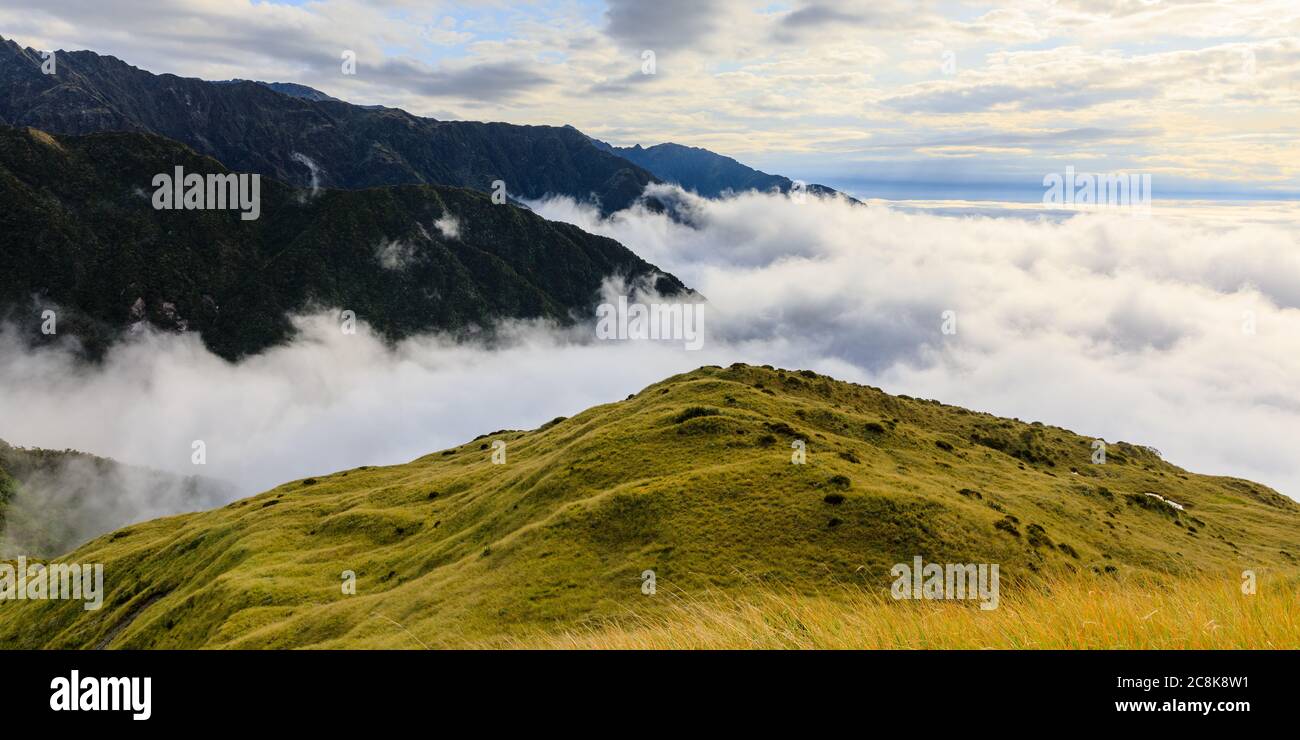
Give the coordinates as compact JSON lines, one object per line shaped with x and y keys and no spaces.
{"x":448,"y":225}
{"x":395,"y":254}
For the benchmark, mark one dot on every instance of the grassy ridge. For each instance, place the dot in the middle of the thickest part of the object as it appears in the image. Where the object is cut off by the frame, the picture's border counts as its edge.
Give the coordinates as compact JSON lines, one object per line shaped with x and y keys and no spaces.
{"x":691,"y":478}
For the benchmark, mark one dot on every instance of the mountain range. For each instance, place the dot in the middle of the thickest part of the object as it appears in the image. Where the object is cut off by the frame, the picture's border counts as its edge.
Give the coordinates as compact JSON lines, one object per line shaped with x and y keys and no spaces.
{"x":84,"y":239}
{"x":301,"y":136}
{"x":709,"y":482}
{"x":352,"y":195}
{"x":304,"y":140}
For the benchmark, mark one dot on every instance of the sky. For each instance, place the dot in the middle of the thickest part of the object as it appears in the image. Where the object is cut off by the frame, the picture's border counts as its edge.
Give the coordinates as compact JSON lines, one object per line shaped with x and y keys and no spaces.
{"x":899,"y":99}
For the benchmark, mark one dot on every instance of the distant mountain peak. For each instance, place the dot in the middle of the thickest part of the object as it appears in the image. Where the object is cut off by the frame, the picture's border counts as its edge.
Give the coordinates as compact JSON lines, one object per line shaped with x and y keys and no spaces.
{"x":702,"y":171}
{"x":292,"y":89}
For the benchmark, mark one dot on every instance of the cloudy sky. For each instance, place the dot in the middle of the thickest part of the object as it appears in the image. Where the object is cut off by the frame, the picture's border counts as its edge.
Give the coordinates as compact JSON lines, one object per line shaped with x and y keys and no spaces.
{"x":1205,"y":95}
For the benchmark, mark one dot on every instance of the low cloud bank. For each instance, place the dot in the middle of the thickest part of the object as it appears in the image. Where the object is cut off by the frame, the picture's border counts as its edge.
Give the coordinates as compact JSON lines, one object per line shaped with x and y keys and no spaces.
{"x":1180,"y":330}
{"x":1180,"y":333}
{"x":327,"y":401}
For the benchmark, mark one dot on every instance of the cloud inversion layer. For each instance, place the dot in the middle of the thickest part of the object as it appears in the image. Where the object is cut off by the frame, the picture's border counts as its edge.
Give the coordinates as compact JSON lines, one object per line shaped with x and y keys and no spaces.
{"x":1112,"y":326}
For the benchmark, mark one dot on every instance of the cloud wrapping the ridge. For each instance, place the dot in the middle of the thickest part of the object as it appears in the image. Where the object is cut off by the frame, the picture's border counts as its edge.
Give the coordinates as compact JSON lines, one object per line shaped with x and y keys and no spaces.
{"x":327,"y":401}
{"x":61,"y":506}
{"x":1112,"y":326}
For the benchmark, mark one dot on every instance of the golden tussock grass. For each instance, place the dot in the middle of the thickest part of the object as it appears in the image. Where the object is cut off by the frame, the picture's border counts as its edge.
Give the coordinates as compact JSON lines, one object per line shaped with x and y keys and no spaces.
{"x":1061,"y":613}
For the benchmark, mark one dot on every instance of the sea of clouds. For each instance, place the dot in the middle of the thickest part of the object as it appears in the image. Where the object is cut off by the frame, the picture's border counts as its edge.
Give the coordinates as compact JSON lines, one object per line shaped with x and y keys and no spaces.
{"x":1180,"y":330}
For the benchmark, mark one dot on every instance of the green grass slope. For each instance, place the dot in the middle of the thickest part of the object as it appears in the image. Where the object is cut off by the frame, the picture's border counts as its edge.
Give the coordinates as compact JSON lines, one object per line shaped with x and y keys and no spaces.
{"x":691,"y":478}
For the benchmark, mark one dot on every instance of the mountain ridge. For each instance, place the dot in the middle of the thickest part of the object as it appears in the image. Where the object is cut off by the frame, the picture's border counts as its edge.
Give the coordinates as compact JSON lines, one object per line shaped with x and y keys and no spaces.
{"x":252,"y":127}
{"x":82,"y":237}
{"x":705,"y":172}
{"x":690,"y":479}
